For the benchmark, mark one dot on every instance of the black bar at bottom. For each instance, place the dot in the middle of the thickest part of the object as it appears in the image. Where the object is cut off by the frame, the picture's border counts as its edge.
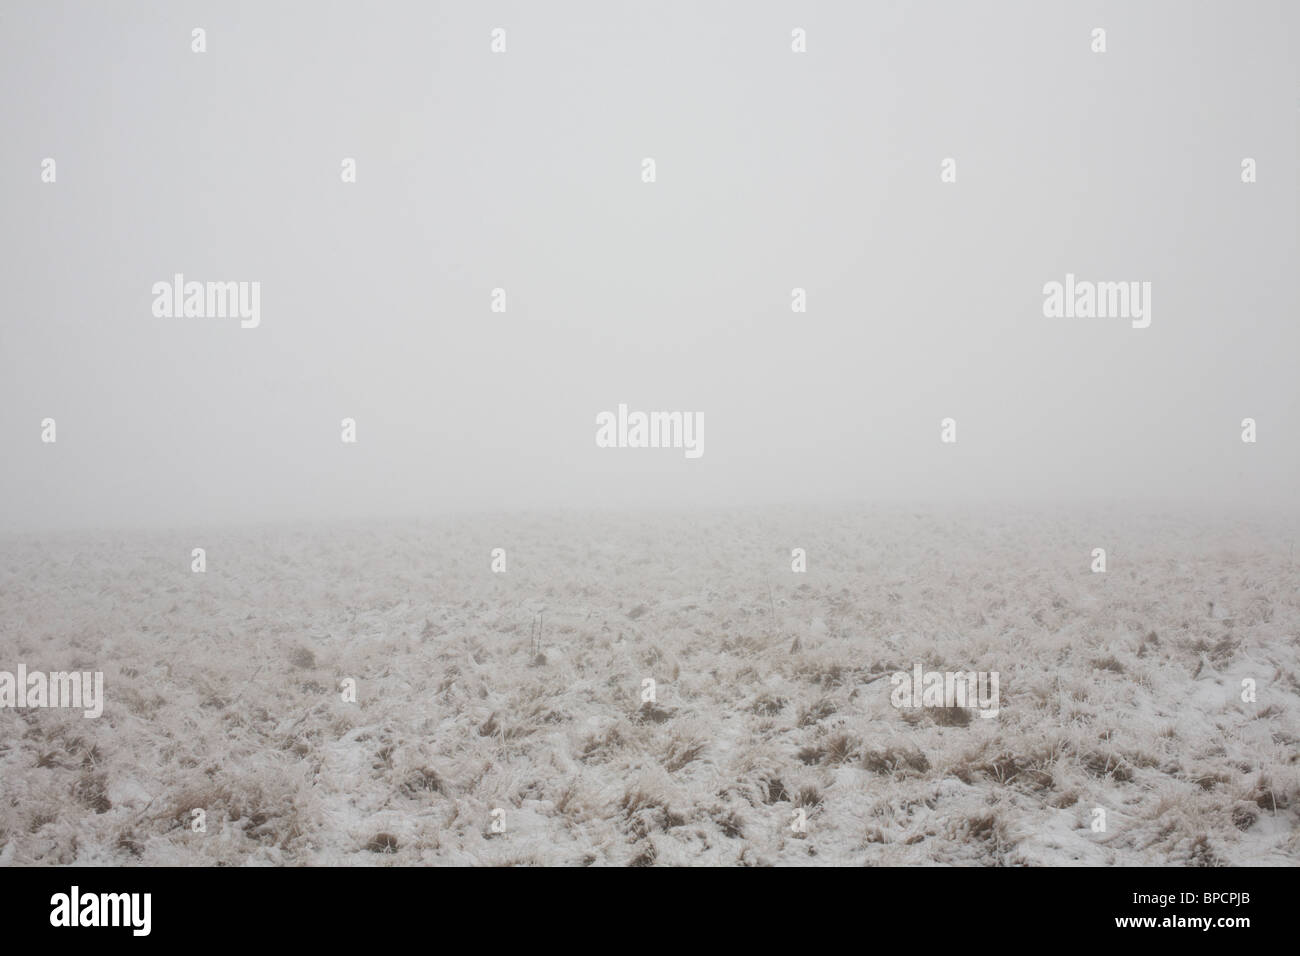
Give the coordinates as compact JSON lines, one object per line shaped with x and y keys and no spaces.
{"x":330,"y":907}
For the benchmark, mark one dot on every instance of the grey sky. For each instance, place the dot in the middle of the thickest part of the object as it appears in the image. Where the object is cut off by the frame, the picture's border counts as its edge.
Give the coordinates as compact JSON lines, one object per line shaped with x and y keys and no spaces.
{"x":522,"y":170}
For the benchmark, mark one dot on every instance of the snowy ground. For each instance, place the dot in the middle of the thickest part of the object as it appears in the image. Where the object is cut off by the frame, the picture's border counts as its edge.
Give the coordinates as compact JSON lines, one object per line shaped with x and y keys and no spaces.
{"x":1119,"y":691}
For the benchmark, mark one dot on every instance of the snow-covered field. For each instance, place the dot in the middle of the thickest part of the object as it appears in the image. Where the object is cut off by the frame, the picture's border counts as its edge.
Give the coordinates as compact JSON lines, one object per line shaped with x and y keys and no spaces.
{"x":1120,"y":691}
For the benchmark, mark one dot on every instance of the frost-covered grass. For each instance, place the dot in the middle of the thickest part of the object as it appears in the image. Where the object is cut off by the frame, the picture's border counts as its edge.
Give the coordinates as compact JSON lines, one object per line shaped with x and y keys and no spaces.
{"x":1119,"y":690}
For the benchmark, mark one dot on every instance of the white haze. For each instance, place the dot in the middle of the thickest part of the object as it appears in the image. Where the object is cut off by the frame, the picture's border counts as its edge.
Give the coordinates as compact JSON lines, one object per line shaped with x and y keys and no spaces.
{"x":522,"y":171}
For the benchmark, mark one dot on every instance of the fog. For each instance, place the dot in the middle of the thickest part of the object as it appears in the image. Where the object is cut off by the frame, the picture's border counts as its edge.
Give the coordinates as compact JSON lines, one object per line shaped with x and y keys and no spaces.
{"x":523,"y":171}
